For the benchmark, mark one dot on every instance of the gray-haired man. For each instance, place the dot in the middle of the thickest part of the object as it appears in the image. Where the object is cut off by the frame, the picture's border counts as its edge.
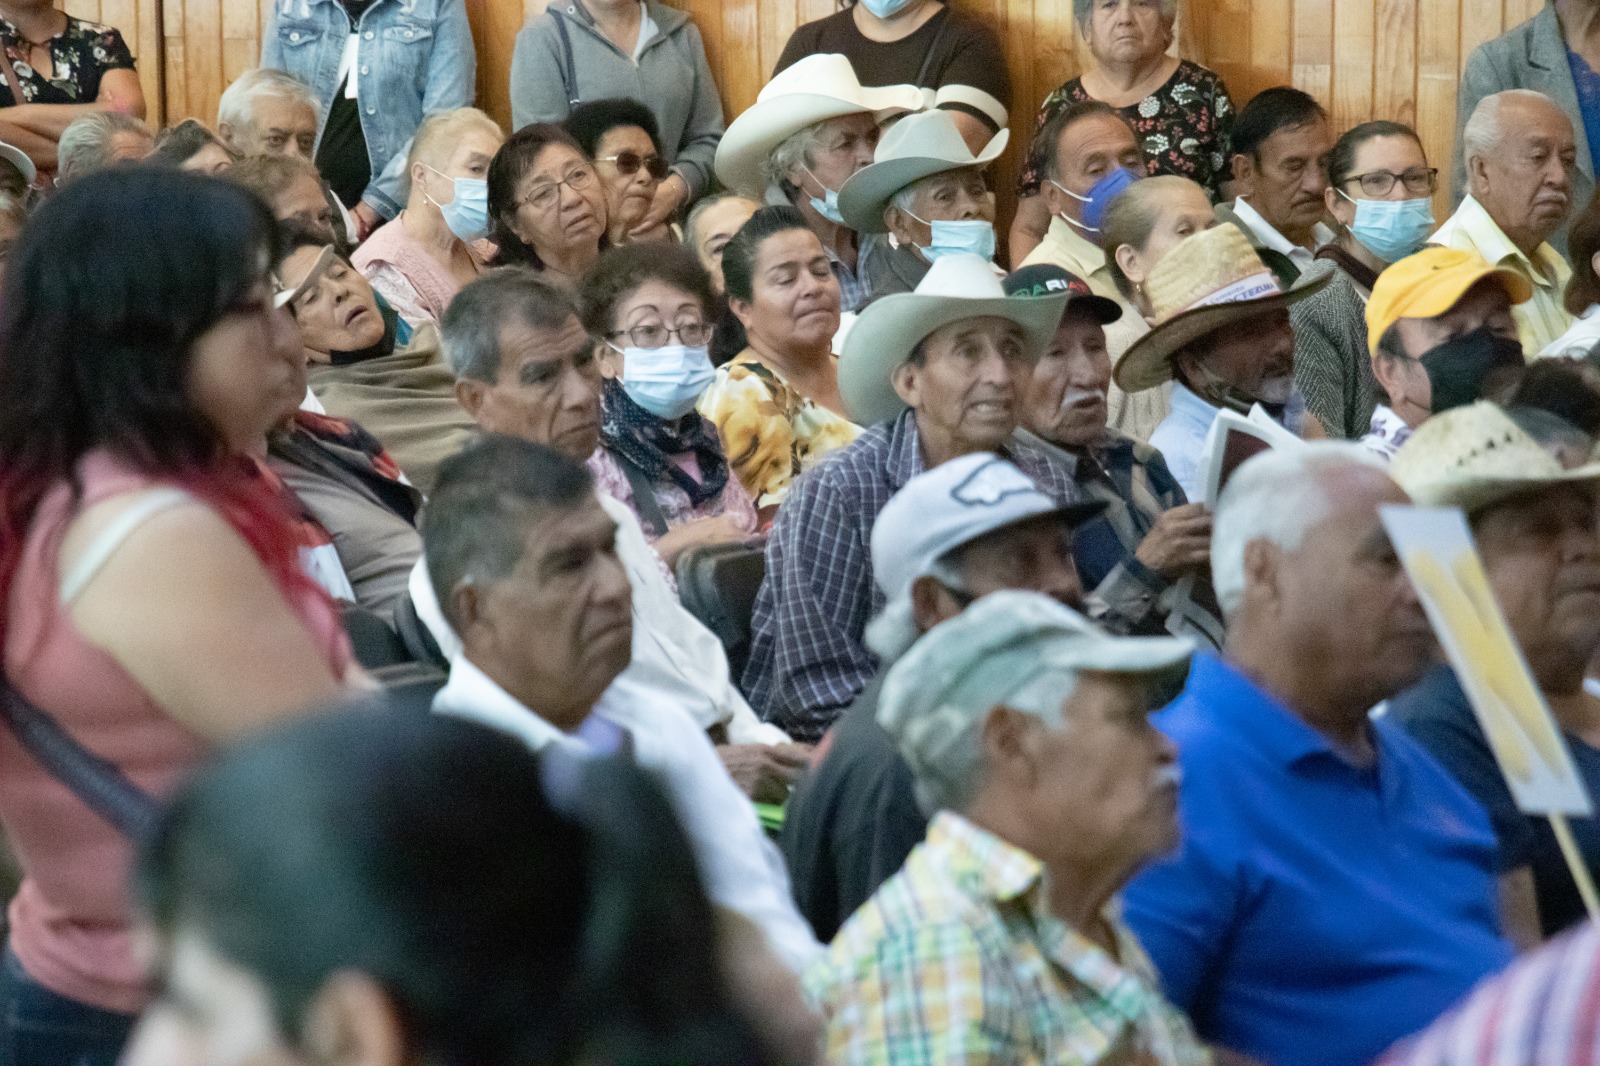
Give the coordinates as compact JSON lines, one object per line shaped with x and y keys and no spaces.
{"x":1027,"y":729}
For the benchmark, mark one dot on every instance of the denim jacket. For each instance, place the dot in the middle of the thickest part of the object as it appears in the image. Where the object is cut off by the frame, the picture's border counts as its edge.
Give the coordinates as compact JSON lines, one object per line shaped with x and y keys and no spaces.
{"x":416,"y":58}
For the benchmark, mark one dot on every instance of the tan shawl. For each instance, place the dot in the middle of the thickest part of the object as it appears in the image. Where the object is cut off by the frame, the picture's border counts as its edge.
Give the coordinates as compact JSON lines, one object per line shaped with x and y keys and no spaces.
{"x":406,"y":399}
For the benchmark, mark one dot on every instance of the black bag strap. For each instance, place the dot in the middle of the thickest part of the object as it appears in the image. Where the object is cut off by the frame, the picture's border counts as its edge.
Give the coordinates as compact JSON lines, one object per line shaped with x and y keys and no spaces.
{"x":933,"y":48}
{"x":569,"y":72}
{"x":100,"y":784}
{"x":644,"y":496}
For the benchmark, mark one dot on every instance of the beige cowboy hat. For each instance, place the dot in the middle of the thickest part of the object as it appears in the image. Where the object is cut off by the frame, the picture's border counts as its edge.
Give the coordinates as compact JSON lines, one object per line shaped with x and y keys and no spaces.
{"x":918,"y":146}
{"x":1207,"y":281}
{"x":1470,"y":457}
{"x":956,"y":287}
{"x":815,"y":89}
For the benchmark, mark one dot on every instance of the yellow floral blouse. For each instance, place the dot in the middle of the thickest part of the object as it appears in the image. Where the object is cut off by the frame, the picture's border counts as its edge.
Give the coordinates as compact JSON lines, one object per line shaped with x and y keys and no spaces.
{"x":771,"y":433}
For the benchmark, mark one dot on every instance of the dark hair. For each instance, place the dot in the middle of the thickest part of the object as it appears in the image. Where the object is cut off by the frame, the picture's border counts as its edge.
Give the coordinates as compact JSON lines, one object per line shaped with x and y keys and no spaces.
{"x":180,"y":143}
{"x":506,"y":170}
{"x":469,"y":332}
{"x":1271,"y":110}
{"x":1047,"y":142}
{"x":515,"y":908}
{"x":485,"y":497}
{"x":1549,"y":429}
{"x":1583,"y":241}
{"x":110,"y":284}
{"x":1342,"y":160}
{"x":592,"y":120}
{"x":621,"y":271}
{"x":739,"y":254}
{"x":1563,"y":387}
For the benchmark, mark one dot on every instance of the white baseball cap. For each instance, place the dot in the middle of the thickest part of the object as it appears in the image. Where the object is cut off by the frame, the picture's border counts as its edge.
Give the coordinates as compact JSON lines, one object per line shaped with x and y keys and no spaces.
{"x":953,"y":504}
{"x":19,"y":159}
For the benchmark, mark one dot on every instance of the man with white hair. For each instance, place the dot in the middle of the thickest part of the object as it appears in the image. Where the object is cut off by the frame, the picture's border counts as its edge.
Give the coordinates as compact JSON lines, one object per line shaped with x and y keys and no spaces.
{"x":1335,"y":890}
{"x":1028,"y":732}
{"x":98,"y":140}
{"x":267,"y":112}
{"x":960,"y":531}
{"x":1520,"y":157}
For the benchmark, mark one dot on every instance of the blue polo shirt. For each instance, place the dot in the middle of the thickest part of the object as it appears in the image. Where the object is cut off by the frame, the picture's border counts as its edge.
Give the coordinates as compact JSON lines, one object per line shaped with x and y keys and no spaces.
{"x":1316,"y":912}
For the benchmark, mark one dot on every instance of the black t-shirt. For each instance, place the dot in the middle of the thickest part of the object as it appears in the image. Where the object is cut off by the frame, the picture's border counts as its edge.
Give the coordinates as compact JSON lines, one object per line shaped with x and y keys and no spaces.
{"x":342,"y":153}
{"x":851,"y":821}
{"x":965,"y":52}
{"x":1435,"y":712}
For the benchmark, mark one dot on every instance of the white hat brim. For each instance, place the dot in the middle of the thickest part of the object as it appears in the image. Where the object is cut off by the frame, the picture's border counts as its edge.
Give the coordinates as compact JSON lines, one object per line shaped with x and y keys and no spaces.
{"x":889,"y":328}
{"x":19,"y":159}
{"x":751,"y":138}
{"x":864,"y":197}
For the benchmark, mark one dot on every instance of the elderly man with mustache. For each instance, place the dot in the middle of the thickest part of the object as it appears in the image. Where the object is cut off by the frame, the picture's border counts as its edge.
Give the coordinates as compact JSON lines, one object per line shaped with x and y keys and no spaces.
{"x":1520,"y":156}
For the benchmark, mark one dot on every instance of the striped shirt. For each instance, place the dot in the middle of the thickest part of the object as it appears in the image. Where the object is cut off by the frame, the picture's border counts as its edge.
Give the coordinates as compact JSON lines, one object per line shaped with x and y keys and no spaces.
{"x":957,"y":959}
{"x":1543,"y":1011}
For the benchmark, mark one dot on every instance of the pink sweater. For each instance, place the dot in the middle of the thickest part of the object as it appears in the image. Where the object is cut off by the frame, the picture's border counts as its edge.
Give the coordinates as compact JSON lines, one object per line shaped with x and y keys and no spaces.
{"x":70,"y":920}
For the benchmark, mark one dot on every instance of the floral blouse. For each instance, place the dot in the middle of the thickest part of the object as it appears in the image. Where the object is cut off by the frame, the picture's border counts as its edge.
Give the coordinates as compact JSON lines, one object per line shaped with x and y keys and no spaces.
{"x":771,"y":433}
{"x":1184,"y":126}
{"x":80,"y":54}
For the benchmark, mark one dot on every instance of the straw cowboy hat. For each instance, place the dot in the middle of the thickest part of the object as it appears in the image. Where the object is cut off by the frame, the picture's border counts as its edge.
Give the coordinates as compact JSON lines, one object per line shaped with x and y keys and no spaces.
{"x":1471,"y":457}
{"x":957,"y":287}
{"x":815,"y":89}
{"x":1209,"y":280}
{"x":916,"y":147}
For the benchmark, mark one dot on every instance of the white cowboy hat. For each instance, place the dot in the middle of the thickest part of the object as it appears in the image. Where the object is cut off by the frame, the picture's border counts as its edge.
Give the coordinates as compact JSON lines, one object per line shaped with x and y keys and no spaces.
{"x":1470,"y":457}
{"x":916,"y":147}
{"x":19,"y":159}
{"x":815,"y":89}
{"x":956,"y":287}
{"x":1207,"y":281}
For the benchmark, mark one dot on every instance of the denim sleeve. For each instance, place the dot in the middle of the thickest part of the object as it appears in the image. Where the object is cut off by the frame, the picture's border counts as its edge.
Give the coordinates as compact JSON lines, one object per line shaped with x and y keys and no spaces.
{"x":452,"y":77}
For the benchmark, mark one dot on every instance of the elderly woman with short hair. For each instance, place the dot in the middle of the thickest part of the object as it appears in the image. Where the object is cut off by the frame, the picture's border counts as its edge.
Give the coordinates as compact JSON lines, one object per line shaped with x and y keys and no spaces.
{"x":98,"y":140}
{"x":621,"y":136}
{"x":1180,"y":110}
{"x":419,"y":261}
{"x":547,"y":210}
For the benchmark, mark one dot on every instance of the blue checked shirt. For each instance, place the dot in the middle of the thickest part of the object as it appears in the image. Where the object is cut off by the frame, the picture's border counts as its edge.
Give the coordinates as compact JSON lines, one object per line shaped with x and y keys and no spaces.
{"x":807,"y":659}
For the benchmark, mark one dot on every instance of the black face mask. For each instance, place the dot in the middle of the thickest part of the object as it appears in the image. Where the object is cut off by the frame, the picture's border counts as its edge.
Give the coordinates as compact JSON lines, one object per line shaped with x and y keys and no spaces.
{"x":1458,"y":369}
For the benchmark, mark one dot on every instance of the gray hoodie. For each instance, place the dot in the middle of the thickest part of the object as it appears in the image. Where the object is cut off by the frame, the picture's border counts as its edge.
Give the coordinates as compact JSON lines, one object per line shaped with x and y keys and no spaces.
{"x":671,"y":78}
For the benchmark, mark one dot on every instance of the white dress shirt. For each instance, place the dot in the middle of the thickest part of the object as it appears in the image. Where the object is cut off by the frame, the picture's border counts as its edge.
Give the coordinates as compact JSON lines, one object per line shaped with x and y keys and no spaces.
{"x":1265,"y":232}
{"x":742,"y":869}
{"x":676,"y":659}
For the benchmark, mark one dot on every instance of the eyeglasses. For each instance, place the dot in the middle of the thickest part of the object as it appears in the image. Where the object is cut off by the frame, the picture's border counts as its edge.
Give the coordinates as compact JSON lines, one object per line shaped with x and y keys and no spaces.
{"x":655,"y":334}
{"x":545,"y":196}
{"x":1419,"y":181}
{"x":630,"y":162}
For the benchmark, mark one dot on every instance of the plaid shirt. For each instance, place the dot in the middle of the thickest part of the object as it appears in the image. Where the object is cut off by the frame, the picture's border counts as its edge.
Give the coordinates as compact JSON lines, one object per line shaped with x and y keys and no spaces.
{"x":1543,"y":1011}
{"x":807,"y":659}
{"x":957,"y":959}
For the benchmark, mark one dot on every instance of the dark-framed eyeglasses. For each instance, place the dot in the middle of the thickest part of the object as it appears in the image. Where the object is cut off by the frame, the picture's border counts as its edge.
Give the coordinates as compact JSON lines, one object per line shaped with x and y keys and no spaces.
{"x":655,"y":334}
{"x":628,"y":162}
{"x":1419,"y":181}
{"x":543,"y":197}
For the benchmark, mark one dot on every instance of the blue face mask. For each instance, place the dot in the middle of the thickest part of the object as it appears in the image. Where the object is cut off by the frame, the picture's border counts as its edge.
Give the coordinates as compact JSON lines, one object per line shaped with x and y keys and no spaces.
{"x":886,"y":9}
{"x":666,"y":381}
{"x":467,"y":214}
{"x":972,"y":237}
{"x":828,"y":207}
{"x":1392,"y":229}
{"x":1100,"y":196}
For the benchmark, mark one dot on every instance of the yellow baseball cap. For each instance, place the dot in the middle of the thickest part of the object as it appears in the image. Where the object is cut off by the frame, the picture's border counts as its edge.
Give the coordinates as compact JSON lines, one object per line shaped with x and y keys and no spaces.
{"x":1428,"y":284}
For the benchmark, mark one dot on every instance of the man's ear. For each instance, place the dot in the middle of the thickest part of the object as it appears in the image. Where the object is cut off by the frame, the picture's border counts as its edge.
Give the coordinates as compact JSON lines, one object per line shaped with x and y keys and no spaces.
{"x":225,"y":133}
{"x":931,"y":603}
{"x":470,"y":394}
{"x":1244,"y":172}
{"x":352,"y":1022}
{"x":1262,"y":572}
{"x":906,"y":380}
{"x":1477,"y":174}
{"x":1007,"y":744}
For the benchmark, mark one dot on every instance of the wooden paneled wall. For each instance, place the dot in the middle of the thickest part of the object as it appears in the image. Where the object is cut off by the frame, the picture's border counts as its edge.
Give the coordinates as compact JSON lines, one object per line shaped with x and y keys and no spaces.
{"x":1398,"y":59}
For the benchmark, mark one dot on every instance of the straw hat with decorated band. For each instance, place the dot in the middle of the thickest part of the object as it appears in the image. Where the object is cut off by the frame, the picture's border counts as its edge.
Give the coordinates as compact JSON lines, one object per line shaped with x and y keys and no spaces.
{"x":1205,"y":282}
{"x":918,"y":146}
{"x":816,"y":89}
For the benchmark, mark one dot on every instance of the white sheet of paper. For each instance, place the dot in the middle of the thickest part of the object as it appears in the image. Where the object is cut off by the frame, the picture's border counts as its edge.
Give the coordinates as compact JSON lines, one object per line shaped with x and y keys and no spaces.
{"x":1436,"y":548}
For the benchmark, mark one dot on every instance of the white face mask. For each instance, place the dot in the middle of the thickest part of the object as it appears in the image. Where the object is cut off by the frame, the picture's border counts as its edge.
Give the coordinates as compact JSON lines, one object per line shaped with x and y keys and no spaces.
{"x":666,"y":381}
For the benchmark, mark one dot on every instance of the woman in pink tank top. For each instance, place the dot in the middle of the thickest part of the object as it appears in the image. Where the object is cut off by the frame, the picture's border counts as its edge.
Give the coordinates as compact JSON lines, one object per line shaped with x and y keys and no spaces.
{"x":154,"y":605}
